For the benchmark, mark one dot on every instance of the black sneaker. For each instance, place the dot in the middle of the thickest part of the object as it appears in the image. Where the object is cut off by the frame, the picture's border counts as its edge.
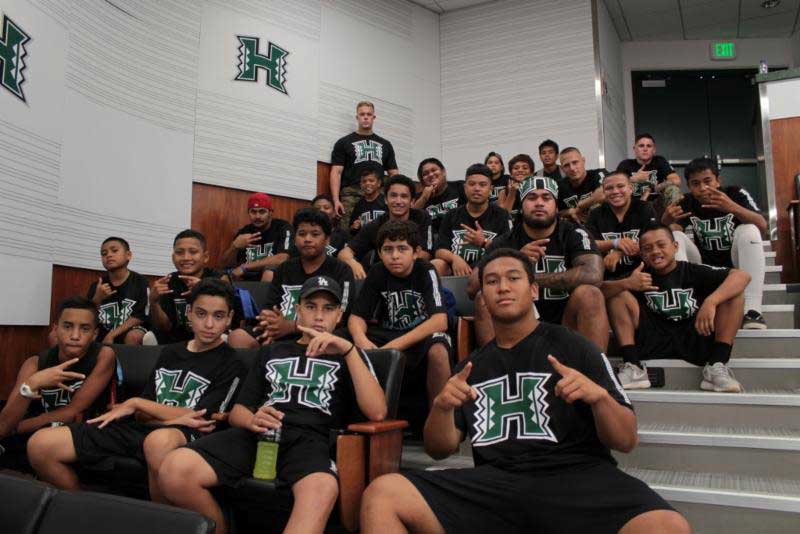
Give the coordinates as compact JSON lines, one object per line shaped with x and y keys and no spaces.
{"x":754,"y":321}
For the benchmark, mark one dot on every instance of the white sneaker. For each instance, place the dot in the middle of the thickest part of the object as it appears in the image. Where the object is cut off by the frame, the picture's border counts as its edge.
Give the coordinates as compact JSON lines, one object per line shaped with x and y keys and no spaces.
{"x":631,"y":376}
{"x":719,"y":377}
{"x":149,"y":338}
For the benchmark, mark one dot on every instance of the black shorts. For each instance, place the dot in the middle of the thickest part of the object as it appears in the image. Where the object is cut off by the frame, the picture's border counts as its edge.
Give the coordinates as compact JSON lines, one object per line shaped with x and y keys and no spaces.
{"x":659,"y":338}
{"x":96,"y":447}
{"x":13,"y":452}
{"x":232,"y":454}
{"x":595,"y":497}
{"x":415,"y":354}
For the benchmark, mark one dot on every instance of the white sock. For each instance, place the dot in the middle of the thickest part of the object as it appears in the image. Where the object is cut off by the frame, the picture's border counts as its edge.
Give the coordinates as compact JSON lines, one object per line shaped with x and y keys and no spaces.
{"x":747,"y":254}
{"x":687,"y":250}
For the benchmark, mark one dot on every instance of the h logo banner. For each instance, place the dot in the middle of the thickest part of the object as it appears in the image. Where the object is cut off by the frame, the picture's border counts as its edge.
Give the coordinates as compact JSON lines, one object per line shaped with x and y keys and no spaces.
{"x":250,"y":61}
{"x":12,"y":57}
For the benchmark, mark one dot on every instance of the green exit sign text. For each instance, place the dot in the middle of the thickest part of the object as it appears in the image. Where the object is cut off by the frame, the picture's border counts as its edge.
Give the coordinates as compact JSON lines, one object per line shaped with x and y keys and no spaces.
{"x":722,"y":51}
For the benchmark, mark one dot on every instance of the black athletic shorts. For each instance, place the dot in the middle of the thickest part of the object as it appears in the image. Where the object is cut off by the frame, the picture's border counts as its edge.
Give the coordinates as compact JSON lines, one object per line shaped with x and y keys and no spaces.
{"x":231,"y":454}
{"x":595,"y":497}
{"x":659,"y":338}
{"x":415,"y":354}
{"x":96,"y":447}
{"x":13,"y":452}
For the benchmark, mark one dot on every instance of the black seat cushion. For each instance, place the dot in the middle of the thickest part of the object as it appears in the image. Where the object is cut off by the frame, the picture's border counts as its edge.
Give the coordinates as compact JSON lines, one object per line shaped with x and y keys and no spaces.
{"x":22,"y":503}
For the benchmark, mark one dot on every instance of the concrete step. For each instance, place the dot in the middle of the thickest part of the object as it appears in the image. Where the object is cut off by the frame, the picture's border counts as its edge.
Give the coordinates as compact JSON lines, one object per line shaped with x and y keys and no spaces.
{"x":772,"y":274}
{"x":754,"y":407}
{"x":714,"y":502}
{"x":779,"y":294}
{"x":770,"y":343}
{"x":770,"y":257}
{"x":749,"y":451}
{"x":780,"y":316}
{"x":753,"y":373}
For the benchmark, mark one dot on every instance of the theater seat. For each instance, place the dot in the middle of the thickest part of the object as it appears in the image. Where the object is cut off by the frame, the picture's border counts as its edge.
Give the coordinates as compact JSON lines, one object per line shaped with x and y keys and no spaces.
{"x":22,"y":504}
{"x":258,"y":290}
{"x":465,"y":306}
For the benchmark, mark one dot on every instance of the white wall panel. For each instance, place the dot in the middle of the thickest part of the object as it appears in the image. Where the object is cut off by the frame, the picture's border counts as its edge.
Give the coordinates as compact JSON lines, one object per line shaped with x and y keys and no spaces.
{"x":302,"y":16}
{"x":25,"y":286}
{"x":614,"y":131}
{"x":784,"y":101}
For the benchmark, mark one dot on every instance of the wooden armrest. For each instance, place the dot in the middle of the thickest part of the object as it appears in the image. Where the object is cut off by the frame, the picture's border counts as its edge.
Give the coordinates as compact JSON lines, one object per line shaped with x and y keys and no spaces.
{"x":220,"y":417}
{"x":372,"y":427}
{"x":464,"y":337}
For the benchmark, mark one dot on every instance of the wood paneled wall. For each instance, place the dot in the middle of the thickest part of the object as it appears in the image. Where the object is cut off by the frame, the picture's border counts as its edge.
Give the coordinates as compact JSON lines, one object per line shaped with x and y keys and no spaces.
{"x":786,"y":161}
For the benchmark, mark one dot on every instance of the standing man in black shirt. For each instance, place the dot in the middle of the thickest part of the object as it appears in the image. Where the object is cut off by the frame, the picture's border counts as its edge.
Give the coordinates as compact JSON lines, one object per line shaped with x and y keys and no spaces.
{"x":674,"y":309}
{"x":260,"y":246}
{"x":652,"y":175}
{"x":352,"y":154}
{"x":541,"y":408}
{"x":568,"y":266}
{"x":438,"y":196}
{"x":467,"y":231}
{"x":399,"y":196}
{"x":617,"y":224}
{"x":580,"y":190}
{"x":548,"y":155}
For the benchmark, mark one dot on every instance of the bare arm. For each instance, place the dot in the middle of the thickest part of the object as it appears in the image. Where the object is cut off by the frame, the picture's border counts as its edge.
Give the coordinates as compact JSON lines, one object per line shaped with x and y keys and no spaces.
{"x":124,"y":327}
{"x":270,"y":261}
{"x":336,"y":181}
{"x":440,"y":434}
{"x":423,"y":197}
{"x":347,"y":256}
{"x":240,"y":416}
{"x":733,"y":284}
{"x":474,"y":284}
{"x":369,"y":395}
{"x":597,"y":197}
{"x":435,"y":323}
{"x":456,"y":262}
{"x":750,"y":217}
{"x":358,"y":331}
{"x":587,"y":269}
{"x":616,"y":424}
{"x":16,"y":406}
{"x":229,"y":257}
{"x":151,"y":411}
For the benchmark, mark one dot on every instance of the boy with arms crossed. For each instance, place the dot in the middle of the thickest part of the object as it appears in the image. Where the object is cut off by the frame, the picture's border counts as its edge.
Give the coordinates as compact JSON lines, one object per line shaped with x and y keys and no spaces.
{"x":371,"y":205}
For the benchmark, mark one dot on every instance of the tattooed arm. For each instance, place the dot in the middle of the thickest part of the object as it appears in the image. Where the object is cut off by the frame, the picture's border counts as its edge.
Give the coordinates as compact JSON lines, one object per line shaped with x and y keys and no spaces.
{"x":586,"y":269}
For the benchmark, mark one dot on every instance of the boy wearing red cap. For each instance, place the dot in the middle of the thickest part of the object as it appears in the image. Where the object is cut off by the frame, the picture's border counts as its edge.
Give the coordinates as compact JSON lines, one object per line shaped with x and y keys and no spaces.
{"x":261,"y":245}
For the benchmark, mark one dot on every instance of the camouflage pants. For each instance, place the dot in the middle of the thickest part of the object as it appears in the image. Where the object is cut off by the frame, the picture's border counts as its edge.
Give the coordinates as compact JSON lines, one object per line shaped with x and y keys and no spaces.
{"x":349,"y":197}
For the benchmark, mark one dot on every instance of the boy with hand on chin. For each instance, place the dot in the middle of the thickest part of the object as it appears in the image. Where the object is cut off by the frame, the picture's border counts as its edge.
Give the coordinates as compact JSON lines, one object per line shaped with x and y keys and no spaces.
{"x":305,"y":387}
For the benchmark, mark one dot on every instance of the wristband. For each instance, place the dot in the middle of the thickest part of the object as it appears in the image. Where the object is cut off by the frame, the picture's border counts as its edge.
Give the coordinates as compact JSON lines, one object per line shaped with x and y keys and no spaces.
{"x":615,"y":243}
{"x":243,"y":268}
{"x":352,"y":346}
{"x":26,"y":391}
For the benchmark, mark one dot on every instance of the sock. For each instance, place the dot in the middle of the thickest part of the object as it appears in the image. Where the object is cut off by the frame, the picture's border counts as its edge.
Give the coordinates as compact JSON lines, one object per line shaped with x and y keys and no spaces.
{"x":747,"y":254}
{"x":720,"y":353}
{"x":630,"y":355}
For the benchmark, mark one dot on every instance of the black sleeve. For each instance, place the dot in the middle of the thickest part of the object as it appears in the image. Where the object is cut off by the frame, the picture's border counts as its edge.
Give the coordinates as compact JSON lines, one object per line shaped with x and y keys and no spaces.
{"x":462,"y":196}
{"x":743,"y":198}
{"x":254,"y":390}
{"x":707,"y":277}
{"x":223,"y":385}
{"x":426,"y":233}
{"x":579,"y":242}
{"x":348,"y":287}
{"x":648,"y":215}
{"x":503,"y":241}
{"x":663,"y":166}
{"x":140,"y":295}
{"x":389,"y":162}
{"x":357,"y":210}
{"x":167,"y":305}
{"x":283,"y":239}
{"x":432,"y":295}
{"x":274,"y":296}
{"x":370,"y":296}
{"x":685,"y":205}
{"x":598,"y":178}
{"x":445,"y":240}
{"x":92,"y":289}
{"x":364,"y":240}
{"x":592,"y":224}
{"x":339,"y":154}
{"x":624,"y":167}
{"x":149,"y":391}
{"x":597,"y":368}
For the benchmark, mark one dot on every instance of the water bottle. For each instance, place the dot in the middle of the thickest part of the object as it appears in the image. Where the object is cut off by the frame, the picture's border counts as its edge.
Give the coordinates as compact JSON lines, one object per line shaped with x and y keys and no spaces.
{"x":267,"y":455}
{"x":763,"y":68}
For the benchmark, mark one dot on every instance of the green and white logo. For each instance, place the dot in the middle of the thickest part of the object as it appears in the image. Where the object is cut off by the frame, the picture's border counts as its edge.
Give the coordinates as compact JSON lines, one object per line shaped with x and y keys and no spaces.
{"x":290,"y":297}
{"x":469,"y":253}
{"x":439,"y":210}
{"x":369,"y":216}
{"x":630,"y":234}
{"x":113,"y":314}
{"x":12,"y":57}
{"x":315,"y":386}
{"x":273,"y":63}
{"x":651,"y":183}
{"x":496,"y":408}
{"x":368,"y":150}
{"x":256,"y":252}
{"x":183,"y":394}
{"x":406,"y":309}
{"x":675,"y":304}
{"x":552,"y":264}
{"x":181,"y":307}
{"x":54,"y":398}
{"x":330,"y":250}
{"x":714,"y":234}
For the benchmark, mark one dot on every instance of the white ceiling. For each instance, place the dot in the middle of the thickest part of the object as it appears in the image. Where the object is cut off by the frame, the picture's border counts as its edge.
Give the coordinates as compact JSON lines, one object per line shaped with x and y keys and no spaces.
{"x":670,"y":20}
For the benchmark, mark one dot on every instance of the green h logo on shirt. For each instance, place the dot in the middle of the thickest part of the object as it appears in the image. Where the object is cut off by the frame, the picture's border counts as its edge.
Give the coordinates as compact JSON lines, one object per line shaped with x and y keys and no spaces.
{"x":250,"y":61}
{"x":714,"y":234}
{"x":184,"y":394}
{"x":288,"y":301}
{"x":552,"y":264}
{"x":53,"y":398}
{"x":675,"y":304}
{"x":496,"y":408}
{"x":113,"y":314}
{"x":256,"y":252}
{"x":315,"y":386}
{"x":12,"y":57}
{"x":368,"y":150}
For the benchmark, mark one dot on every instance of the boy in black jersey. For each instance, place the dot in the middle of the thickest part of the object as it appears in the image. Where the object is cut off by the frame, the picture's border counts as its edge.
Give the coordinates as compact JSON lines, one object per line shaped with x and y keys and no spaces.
{"x":467,"y":231}
{"x":541,"y":408}
{"x":652,"y":175}
{"x":674,"y":309}
{"x":190,"y":380}
{"x":168,"y":302}
{"x":262,"y":245}
{"x":311,"y":238}
{"x":548,"y":155}
{"x":520,"y":166}
{"x":401,"y":307}
{"x":339,"y":236}
{"x":438,"y":196}
{"x":568,"y":266}
{"x":580,"y":190}
{"x":617,"y":223}
{"x":727,"y":228}
{"x":494,"y":161}
{"x":371,"y":205}
{"x":59,"y":384}
{"x":120,"y":295}
{"x":306,"y":388}
{"x":399,"y":196}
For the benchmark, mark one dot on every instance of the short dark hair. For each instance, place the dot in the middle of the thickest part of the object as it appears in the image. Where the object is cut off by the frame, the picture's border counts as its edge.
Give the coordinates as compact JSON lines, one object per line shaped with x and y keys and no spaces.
{"x":372,"y":170}
{"x":190,"y":234}
{"x":643,"y":135}
{"x":323,"y":196}
{"x":401,"y":179}
{"x":698,"y":165}
{"x":494,"y":154}
{"x":506,"y":253}
{"x":407,"y":231}
{"x":424,"y":162}
{"x":615,"y":173}
{"x":524,"y":158}
{"x":569,"y":149}
{"x":77,"y":302}
{"x":479,"y":168}
{"x":213,"y":287}
{"x":121,"y":241}
{"x":657,"y":226}
{"x":548,"y":143}
{"x":312,"y":216}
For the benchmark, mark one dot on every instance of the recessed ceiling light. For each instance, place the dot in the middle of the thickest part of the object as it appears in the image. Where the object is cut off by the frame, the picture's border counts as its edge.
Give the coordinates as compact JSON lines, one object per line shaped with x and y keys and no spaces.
{"x":769,"y":4}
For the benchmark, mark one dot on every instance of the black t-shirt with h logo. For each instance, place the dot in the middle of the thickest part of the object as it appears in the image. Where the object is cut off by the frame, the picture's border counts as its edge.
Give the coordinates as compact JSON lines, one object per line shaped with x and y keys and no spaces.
{"x":658,"y":167}
{"x":357,"y":153}
{"x":682,"y":291}
{"x":604,"y":226}
{"x":130,"y":300}
{"x":368,"y":210}
{"x":494,"y":222}
{"x":274,"y":240}
{"x":569,"y":195}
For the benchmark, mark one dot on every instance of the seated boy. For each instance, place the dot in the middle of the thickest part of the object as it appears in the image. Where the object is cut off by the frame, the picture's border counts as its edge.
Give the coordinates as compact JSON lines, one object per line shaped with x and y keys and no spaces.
{"x":371,"y":205}
{"x":60,"y":384}
{"x":541,"y":408}
{"x":727,"y":228}
{"x":120,"y":295}
{"x":311,"y":238}
{"x":260,"y":246}
{"x":168,"y":302}
{"x":674,"y":309}
{"x":305,"y":388}
{"x":189,"y":380}
{"x":401,"y":307}
{"x":438,"y":195}
{"x":339,"y":236}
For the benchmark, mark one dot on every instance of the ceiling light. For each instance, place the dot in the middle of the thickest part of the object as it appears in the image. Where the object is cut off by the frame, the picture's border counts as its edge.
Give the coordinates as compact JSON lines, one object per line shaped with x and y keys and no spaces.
{"x":769,"y":4}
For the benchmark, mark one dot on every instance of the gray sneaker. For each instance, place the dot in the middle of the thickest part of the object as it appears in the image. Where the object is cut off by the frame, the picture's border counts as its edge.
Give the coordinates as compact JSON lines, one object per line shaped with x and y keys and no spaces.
{"x":719,"y":378}
{"x":631,"y":376}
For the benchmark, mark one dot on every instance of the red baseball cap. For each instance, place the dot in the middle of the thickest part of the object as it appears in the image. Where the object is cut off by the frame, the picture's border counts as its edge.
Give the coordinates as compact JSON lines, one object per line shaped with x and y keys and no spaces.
{"x":259,"y":200}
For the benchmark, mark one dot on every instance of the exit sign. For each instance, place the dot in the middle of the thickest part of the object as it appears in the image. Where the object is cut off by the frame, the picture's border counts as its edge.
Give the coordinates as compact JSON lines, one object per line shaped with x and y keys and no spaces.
{"x":723,"y":51}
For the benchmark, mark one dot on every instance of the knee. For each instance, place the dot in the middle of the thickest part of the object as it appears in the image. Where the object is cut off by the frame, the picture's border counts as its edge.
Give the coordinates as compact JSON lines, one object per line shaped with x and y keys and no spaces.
{"x":239,"y":339}
{"x":438,"y":353}
{"x":671,"y":522}
{"x":158,"y":443}
{"x":379,"y":495}
{"x":320,"y":488}
{"x":134,"y":337}
{"x":587,"y":298}
{"x":749,"y":232}
{"x":176,"y":472}
{"x":267,"y":275}
{"x":43,"y":446}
